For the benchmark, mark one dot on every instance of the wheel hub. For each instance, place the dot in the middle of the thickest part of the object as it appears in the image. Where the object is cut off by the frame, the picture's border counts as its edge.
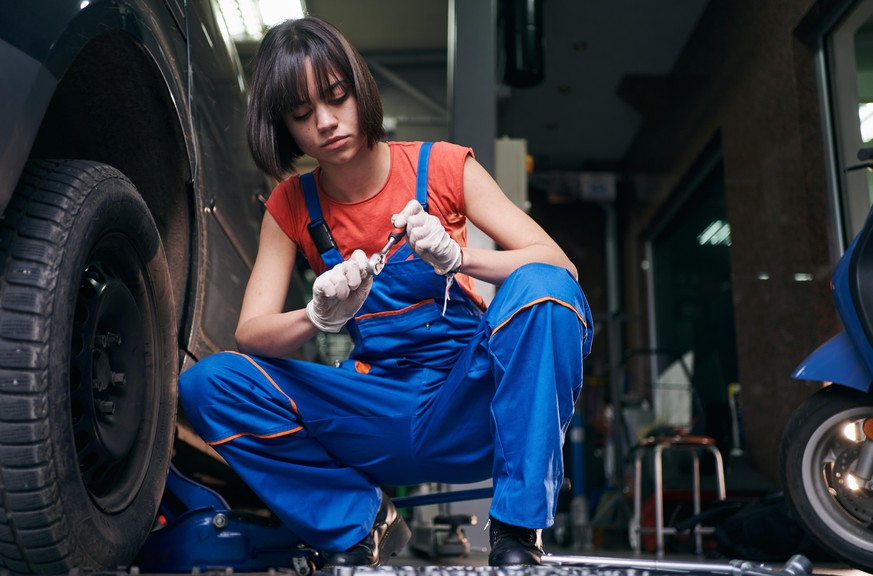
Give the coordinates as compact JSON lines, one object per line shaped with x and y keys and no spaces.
{"x":858,"y":501}
{"x":107,"y":392}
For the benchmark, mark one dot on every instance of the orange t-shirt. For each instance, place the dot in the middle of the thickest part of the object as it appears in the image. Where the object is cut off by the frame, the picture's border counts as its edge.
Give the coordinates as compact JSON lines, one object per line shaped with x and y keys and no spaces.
{"x":366,"y":225}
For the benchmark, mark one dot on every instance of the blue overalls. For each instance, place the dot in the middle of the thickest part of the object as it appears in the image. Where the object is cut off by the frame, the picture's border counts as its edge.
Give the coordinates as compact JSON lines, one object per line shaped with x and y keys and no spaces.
{"x":425,"y":397}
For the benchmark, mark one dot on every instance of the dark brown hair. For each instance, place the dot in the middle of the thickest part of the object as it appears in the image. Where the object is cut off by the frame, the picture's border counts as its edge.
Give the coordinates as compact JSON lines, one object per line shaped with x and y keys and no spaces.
{"x":279,"y":84}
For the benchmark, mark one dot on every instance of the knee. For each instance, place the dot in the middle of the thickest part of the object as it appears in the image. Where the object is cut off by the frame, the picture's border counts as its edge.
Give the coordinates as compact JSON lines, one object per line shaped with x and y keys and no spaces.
{"x":199,"y":384}
{"x":536,"y":282}
{"x":540,"y":285}
{"x":543,"y":272}
{"x":542,"y":280}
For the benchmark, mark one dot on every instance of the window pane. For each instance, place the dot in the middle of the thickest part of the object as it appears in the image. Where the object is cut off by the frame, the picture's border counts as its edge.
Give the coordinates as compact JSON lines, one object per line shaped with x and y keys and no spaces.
{"x":693,"y":296}
{"x":850,"y":72}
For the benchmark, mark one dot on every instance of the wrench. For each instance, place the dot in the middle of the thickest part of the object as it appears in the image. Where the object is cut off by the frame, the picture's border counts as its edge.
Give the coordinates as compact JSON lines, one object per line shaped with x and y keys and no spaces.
{"x":377,"y":261}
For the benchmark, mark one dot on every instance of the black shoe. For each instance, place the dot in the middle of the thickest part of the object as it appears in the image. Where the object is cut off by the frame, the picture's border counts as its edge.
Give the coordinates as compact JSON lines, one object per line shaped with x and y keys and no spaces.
{"x":513,"y":545}
{"x":387,"y":538}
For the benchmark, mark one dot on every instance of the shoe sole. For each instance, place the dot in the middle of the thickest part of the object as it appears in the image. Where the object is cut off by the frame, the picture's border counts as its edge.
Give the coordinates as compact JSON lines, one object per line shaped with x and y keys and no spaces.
{"x":395,"y":538}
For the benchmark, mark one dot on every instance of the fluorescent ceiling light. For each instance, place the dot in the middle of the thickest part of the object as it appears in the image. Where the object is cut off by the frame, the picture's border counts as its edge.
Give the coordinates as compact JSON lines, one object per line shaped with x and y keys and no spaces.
{"x":717,"y":233}
{"x":249,"y":19}
{"x":275,"y":11}
{"x":865,"y":115}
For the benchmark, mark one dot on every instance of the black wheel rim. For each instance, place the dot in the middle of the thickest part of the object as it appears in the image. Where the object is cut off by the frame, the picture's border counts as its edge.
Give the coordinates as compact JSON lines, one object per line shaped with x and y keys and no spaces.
{"x":111,"y":393}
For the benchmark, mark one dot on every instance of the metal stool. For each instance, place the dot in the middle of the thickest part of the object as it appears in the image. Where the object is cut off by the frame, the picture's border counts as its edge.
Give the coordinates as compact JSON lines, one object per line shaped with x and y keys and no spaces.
{"x":657,"y":445}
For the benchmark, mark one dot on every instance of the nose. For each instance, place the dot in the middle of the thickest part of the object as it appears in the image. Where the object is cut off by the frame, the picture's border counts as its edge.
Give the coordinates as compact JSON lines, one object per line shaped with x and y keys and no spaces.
{"x":325,"y":119}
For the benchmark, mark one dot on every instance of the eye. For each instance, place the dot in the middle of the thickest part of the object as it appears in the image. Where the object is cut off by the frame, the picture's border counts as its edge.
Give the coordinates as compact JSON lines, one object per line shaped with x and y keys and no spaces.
{"x":337,"y":93}
{"x":300,"y":113}
{"x":337,"y":99}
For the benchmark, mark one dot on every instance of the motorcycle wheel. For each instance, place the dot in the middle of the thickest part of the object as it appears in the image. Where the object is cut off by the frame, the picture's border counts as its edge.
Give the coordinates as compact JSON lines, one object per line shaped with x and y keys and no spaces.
{"x":818,"y":449}
{"x":88,"y":364}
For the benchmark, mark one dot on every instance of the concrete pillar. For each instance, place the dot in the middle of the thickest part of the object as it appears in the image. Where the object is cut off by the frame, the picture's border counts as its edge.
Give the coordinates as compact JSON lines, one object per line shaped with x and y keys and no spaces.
{"x":472,"y":74}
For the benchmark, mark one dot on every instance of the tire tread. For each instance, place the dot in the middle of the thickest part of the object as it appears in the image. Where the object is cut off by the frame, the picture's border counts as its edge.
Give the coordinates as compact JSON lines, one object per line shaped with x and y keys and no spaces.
{"x":35,"y":539}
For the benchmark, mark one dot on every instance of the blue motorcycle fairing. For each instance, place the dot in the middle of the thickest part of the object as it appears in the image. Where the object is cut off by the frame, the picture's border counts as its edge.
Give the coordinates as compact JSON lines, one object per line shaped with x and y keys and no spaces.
{"x":838,"y":361}
{"x":846,"y":274}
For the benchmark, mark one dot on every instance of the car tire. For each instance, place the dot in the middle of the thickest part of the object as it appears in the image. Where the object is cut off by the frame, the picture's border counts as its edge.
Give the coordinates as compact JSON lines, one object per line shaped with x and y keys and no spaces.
{"x":88,"y":370}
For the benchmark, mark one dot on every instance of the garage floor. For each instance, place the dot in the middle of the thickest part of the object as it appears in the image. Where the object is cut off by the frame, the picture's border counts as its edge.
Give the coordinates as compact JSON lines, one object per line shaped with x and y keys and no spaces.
{"x":477,"y":563}
{"x":411,"y":564}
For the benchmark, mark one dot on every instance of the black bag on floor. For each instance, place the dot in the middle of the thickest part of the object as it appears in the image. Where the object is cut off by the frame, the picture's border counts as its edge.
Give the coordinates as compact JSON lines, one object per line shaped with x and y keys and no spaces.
{"x":765,"y":531}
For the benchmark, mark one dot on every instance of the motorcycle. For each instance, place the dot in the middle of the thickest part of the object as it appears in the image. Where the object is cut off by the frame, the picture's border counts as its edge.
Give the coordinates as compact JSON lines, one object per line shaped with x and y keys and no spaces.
{"x":826,"y":452}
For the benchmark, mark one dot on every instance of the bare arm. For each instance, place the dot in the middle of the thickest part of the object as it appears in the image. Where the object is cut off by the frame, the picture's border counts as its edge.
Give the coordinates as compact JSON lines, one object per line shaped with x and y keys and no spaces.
{"x":264,"y":328}
{"x":522,"y":240}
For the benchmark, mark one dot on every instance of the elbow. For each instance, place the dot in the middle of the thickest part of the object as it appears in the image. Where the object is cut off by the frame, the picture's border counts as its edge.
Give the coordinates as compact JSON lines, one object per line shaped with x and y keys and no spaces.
{"x":572,"y":270}
{"x":241,"y":346}
{"x":569,"y":267}
{"x":561,"y":259}
{"x":243,"y":343}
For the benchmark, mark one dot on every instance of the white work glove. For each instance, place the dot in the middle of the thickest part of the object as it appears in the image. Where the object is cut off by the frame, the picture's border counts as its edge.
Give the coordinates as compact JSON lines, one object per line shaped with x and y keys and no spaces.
{"x":339,"y":293}
{"x":427,"y":238}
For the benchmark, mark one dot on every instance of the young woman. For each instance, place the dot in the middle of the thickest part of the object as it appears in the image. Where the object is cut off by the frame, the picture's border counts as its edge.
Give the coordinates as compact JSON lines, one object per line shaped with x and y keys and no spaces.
{"x":438,"y":388}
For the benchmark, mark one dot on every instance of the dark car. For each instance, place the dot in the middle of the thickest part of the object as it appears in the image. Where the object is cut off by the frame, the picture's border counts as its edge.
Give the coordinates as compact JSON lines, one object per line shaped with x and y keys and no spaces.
{"x":130,"y":214}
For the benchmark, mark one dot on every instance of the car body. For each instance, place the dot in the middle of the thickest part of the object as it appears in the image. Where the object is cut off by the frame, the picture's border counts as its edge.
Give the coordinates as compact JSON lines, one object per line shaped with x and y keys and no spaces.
{"x":131,"y":209}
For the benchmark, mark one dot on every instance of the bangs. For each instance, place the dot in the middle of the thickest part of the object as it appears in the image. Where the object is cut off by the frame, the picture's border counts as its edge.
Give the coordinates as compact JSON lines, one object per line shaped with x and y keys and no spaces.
{"x":288,"y":87}
{"x":279,"y":85}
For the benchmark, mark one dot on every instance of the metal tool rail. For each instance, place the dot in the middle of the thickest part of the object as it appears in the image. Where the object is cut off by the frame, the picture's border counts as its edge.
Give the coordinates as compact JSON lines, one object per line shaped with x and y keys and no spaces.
{"x":797,"y":565}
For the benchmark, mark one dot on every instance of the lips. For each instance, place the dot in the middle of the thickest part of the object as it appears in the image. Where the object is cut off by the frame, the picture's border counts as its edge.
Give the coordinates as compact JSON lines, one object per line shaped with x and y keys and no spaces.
{"x":335,"y":142}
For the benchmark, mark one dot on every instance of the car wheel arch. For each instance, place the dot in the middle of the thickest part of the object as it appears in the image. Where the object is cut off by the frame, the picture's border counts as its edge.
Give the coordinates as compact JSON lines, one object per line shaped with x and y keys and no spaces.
{"x":114,"y":105}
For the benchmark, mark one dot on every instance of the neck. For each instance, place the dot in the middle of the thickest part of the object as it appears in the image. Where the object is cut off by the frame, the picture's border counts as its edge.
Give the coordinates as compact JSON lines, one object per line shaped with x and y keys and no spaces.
{"x":358,"y":179}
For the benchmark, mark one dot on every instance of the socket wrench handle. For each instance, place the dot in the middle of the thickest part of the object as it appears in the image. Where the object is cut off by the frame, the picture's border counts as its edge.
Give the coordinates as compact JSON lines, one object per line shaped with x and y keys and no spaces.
{"x":377,"y":261}
{"x":798,"y":565}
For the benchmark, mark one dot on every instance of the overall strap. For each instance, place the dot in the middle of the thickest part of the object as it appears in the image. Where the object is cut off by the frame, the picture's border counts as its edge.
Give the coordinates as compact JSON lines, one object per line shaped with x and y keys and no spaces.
{"x":420,"y":191}
{"x":318,"y":229}
{"x":421,"y":174}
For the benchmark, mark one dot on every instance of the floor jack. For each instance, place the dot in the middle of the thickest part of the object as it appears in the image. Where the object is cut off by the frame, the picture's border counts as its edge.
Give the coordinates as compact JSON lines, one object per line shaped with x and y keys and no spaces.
{"x":197,"y":531}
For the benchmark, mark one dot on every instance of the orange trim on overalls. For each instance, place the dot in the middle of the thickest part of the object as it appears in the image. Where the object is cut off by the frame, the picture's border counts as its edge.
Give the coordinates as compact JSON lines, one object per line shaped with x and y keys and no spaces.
{"x":235,"y":436}
{"x":273,"y":382}
{"x":395,"y":312}
{"x":362,"y":367}
{"x":537,"y":301}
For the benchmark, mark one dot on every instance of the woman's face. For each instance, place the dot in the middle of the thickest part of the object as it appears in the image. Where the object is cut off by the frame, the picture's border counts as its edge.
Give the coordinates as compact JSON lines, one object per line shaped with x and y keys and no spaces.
{"x":327,"y":127}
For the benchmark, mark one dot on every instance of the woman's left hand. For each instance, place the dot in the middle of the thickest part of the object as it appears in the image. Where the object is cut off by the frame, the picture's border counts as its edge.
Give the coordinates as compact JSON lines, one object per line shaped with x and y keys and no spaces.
{"x":427,"y":238}
{"x":339,"y":293}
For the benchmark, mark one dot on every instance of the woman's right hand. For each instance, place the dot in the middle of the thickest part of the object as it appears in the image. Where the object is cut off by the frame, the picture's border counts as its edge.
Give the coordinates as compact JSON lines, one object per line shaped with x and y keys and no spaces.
{"x":339,"y":293}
